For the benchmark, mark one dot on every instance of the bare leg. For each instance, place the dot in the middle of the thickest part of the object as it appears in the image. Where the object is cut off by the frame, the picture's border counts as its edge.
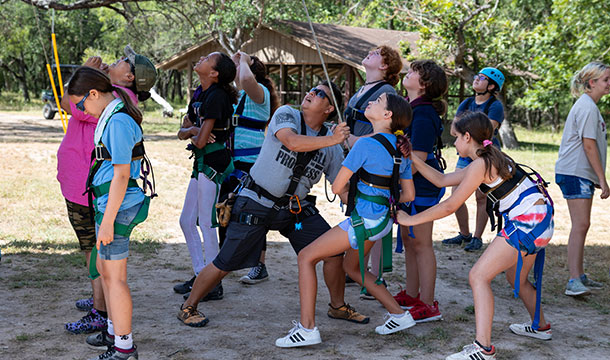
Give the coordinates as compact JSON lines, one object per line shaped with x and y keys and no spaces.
{"x":262,"y":258}
{"x":207,"y":279}
{"x":374,"y":255}
{"x":351,"y":265}
{"x":118,"y":298}
{"x":527,"y":292}
{"x":499,"y":256}
{"x":580,"y":216}
{"x":412,"y":275}
{"x":481,"y":217}
{"x":330,"y":243}
{"x":425,"y":262}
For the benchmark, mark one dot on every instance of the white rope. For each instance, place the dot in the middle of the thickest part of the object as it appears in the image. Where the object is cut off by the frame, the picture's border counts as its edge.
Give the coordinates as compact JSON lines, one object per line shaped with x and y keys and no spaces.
{"x":315,"y":39}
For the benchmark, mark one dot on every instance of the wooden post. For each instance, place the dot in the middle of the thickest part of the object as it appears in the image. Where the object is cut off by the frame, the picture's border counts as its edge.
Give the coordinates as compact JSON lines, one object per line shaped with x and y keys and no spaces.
{"x":189,"y":81}
{"x":282,"y":84}
{"x":461,"y":91}
{"x":303,"y":85}
{"x":349,"y":83}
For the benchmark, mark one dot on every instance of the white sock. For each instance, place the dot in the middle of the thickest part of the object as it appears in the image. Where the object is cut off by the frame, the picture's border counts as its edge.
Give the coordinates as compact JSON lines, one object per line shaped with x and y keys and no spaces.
{"x":110,"y":327}
{"x":304,"y":328}
{"x":124,"y":342}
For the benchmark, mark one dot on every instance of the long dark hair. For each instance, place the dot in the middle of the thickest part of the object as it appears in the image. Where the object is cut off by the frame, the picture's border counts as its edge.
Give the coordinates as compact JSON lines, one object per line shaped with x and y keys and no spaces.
{"x":433,"y":78}
{"x":86,"y":79}
{"x":226,"y":74}
{"x":478,"y":125}
{"x":259,"y":70}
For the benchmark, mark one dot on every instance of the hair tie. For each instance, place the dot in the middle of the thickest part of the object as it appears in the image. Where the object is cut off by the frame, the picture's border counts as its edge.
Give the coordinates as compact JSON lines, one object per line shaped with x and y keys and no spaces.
{"x":438,"y":98}
{"x":399,"y":133}
{"x":486,"y":143}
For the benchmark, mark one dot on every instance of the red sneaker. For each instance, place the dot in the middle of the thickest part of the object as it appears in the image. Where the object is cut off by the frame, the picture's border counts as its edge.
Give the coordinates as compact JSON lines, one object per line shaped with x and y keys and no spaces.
{"x":405,"y":301}
{"x":424,"y":313}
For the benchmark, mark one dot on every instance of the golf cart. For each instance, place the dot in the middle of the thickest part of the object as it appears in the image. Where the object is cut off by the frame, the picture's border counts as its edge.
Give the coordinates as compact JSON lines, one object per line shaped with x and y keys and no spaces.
{"x":49,"y":109}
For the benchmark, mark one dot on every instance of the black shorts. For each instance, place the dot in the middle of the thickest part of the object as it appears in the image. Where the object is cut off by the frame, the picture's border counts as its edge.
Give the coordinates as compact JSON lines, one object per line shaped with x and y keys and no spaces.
{"x":244,"y":243}
{"x":84,"y":228}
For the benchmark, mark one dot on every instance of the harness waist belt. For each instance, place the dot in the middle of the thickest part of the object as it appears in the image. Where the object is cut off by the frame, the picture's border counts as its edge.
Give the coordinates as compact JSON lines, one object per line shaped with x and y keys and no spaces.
{"x":244,"y":121}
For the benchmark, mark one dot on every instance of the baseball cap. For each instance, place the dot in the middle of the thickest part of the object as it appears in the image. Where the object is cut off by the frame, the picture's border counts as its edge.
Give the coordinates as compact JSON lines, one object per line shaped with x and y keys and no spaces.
{"x":144,"y":70}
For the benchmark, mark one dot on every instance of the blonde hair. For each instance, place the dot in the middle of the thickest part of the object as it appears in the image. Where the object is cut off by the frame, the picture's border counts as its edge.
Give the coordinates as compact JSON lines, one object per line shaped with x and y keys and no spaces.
{"x":580,"y":81}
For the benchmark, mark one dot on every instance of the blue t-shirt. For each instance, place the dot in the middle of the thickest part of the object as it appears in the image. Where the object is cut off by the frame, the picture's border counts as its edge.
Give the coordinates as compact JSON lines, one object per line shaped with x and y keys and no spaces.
{"x":371,"y":155}
{"x":496,"y":113}
{"x":119,"y":137}
{"x":425,"y":128}
{"x":246,"y":138}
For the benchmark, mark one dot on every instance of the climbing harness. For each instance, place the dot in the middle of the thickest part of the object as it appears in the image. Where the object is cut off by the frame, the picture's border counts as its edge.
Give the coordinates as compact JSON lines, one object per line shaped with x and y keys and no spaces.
{"x":289,"y":198}
{"x":381,"y":182}
{"x":355,"y":113}
{"x":519,"y":239}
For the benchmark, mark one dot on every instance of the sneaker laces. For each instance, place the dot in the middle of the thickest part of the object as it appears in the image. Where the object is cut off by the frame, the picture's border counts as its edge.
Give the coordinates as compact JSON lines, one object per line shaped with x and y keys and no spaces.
{"x":294,"y":329}
{"x":255,"y":271}
{"x":471,"y":349}
{"x":108,"y":354}
{"x":89,"y":317}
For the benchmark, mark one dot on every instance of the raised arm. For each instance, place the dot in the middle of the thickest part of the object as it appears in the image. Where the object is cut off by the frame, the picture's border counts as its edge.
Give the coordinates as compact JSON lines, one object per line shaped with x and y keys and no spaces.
{"x":436,"y":177}
{"x":474,"y":175}
{"x":247,"y":81}
{"x":303,"y":143}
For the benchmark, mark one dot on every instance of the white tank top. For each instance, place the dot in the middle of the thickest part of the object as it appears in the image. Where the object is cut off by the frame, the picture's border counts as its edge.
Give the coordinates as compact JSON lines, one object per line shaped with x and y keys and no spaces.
{"x":510,"y":199}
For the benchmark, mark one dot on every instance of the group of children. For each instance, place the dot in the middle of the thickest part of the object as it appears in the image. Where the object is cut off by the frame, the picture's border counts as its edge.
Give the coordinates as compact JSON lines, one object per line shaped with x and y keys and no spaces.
{"x":392,"y":174}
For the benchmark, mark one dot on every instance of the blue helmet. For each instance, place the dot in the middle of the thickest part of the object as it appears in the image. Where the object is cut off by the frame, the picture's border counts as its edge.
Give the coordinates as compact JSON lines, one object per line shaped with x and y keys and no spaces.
{"x":495,"y":75}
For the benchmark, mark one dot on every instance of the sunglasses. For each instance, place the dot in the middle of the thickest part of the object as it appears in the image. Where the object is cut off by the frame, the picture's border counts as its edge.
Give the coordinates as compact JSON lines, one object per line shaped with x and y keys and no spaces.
{"x":81,"y":104}
{"x":320,"y":93}
{"x":479,"y":77}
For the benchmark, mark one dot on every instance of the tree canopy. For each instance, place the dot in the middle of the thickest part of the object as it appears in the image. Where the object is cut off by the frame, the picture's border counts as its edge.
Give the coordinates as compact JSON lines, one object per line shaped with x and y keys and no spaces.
{"x":538,"y":44}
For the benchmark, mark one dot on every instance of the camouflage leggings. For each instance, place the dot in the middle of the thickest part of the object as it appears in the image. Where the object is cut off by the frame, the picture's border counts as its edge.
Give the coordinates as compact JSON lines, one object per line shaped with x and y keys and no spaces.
{"x":82,"y":224}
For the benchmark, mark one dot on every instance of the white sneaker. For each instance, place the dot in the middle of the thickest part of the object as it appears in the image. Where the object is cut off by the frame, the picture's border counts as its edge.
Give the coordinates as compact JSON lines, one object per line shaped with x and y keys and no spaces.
{"x":395,"y":323}
{"x":298,"y":336}
{"x":472,"y":351}
{"x":525,"y":329}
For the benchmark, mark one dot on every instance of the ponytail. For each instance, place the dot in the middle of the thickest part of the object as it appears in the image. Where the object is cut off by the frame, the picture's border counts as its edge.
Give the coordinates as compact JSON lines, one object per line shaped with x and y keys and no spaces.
{"x":580,"y":81}
{"x":478,"y":125}
{"x":130,"y":108}
{"x":226,"y":74}
{"x":86,"y":79}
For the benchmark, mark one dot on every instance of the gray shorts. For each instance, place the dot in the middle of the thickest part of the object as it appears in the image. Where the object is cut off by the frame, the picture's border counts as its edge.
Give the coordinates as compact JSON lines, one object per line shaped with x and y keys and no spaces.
{"x":244,"y":243}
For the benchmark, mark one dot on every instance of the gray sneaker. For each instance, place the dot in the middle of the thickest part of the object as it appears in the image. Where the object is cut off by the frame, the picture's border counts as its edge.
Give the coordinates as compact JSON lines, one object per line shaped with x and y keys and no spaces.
{"x":591,"y":284}
{"x":575,"y":287}
{"x":474,"y":244}
{"x":101,"y":339}
{"x":114,"y":354}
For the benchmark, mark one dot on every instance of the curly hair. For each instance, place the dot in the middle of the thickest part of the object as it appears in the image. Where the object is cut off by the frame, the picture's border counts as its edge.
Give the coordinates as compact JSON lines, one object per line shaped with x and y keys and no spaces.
{"x":392,"y":59}
{"x":433,"y":78}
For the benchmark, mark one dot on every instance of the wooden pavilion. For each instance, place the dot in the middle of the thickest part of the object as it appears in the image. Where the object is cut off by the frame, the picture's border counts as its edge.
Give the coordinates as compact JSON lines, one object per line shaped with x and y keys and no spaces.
{"x":288,"y":49}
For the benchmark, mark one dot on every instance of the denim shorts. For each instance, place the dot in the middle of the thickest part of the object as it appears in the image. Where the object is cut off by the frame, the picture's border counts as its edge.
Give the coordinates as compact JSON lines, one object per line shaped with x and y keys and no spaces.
{"x":574,"y":187}
{"x":118,"y":249}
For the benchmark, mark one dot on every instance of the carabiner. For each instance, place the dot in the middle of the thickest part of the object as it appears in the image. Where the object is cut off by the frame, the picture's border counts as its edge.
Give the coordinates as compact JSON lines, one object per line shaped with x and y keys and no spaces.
{"x":290,"y":202}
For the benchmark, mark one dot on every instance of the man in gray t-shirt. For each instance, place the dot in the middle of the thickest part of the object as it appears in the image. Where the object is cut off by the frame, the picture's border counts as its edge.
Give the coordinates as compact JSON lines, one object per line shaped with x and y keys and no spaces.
{"x":270,"y":178}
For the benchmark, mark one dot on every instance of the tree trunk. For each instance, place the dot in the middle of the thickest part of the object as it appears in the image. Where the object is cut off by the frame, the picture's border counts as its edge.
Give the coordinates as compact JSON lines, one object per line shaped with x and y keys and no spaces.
{"x":506,"y":132}
{"x":23,"y":83}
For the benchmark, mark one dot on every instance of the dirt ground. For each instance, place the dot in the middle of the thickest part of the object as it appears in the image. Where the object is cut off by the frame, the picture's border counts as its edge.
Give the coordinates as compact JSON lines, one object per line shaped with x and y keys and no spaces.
{"x":245,"y":324}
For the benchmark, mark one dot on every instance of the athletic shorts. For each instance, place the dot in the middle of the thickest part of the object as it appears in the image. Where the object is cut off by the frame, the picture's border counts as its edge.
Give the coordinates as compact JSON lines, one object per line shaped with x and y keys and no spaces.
{"x":406,"y":207}
{"x":526,"y":222}
{"x":346,"y":225}
{"x":82,"y":224}
{"x":244,"y":243}
{"x":574,"y":187}
{"x":118,"y":249}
